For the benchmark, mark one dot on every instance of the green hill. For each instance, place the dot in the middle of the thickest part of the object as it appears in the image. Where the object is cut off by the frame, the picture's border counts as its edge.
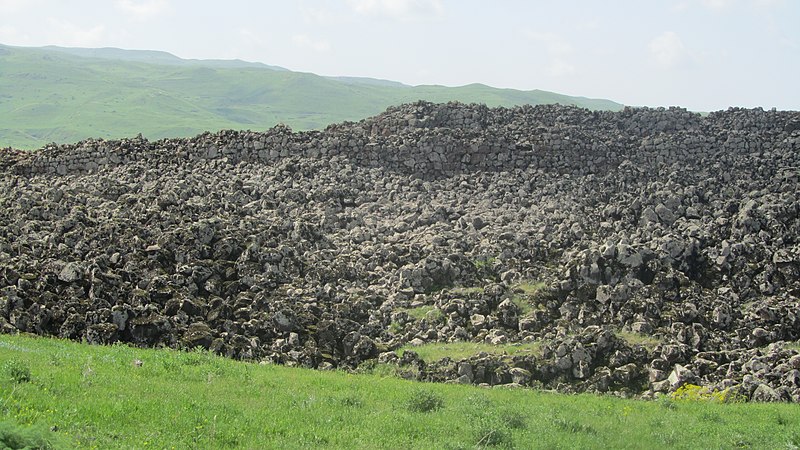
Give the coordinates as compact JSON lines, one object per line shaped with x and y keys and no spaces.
{"x":63,"y":94}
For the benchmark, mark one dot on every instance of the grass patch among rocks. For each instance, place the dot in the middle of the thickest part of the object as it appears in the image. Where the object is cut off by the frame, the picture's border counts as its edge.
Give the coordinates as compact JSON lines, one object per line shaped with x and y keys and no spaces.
{"x":467,"y":290}
{"x":429,"y":312}
{"x":633,"y":339}
{"x":124,"y":397}
{"x":525,"y":295}
{"x":436,"y":351}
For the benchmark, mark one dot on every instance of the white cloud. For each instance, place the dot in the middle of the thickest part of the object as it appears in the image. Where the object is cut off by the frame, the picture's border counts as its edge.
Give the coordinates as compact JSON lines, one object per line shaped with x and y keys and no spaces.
{"x":70,"y":34}
{"x":717,"y":5}
{"x":143,"y":9}
{"x":667,"y":50}
{"x":724,"y":5}
{"x":398,"y":9}
{"x":251,"y":37}
{"x":21,"y":35}
{"x":9,"y":6}
{"x":318,"y":16}
{"x":305,"y":41}
{"x":553,"y":43}
{"x":680,"y":6}
{"x":768,"y":3}
{"x":558,"y":49}
{"x":10,"y":35}
{"x":587,"y":25}
{"x":559,"y":68}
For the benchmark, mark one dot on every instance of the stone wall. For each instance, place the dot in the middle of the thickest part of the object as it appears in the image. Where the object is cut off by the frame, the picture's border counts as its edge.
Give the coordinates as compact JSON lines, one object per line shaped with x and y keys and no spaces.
{"x":664,"y":245}
{"x":431,"y":140}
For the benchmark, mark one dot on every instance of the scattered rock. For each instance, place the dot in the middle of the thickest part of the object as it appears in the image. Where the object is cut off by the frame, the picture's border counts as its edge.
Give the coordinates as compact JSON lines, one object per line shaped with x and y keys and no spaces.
{"x":764,"y":393}
{"x":666,"y":241}
{"x":680,"y":375}
{"x":71,"y":272}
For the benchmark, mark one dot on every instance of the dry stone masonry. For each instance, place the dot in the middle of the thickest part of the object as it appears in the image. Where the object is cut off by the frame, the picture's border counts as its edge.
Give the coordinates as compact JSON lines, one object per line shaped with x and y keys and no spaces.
{"x":666,"y":243}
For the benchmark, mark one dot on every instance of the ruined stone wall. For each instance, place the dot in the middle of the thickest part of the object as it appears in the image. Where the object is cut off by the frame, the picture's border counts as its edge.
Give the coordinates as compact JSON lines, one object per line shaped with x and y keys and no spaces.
{"x":665,"y":245}
{"x":432,"y":140}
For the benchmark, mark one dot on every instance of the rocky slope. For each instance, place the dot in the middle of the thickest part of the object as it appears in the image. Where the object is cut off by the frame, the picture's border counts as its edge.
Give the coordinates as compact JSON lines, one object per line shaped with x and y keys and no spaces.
{"x":640,"y":250}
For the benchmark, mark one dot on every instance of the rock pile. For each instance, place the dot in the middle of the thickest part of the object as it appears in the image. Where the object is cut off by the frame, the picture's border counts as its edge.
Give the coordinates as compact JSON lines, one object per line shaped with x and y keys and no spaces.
{"x":663,"y":244}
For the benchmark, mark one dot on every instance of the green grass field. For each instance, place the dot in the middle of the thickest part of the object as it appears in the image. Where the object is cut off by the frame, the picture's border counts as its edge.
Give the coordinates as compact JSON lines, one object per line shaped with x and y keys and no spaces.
{"x":123,"y":397}
{"x":64,"y":95}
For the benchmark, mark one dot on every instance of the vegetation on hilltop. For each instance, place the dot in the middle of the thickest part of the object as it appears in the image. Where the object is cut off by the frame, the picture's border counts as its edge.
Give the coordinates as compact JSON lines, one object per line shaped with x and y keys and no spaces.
{"x":53,"y":94}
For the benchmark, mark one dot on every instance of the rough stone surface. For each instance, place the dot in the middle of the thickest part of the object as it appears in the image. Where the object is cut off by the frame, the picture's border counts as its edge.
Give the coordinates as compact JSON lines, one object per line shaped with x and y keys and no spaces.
{"x":664,"y":239}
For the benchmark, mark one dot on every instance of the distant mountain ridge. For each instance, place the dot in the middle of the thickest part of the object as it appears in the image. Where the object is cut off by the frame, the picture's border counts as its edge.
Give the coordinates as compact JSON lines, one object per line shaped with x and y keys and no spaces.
{"x":156,"y":57}
{"x":58,"y":94}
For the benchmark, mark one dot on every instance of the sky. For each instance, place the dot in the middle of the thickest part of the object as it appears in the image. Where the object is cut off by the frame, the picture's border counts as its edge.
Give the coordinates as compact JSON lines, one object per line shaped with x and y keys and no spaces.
{"x":703,"y":55}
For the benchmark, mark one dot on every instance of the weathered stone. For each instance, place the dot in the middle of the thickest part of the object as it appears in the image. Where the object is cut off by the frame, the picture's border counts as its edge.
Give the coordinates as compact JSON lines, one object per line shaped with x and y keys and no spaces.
{"x":465,"y":372}
{"x":478,"y":320}
{"x":764,"y":393}
{"x":641,"y":328}
{"x":520,"y":376}
{"x":102,"y":334}
{"x":71,"y":272}
{"x":198,"y":335}
{"x":759,"y":332}
{"x":655,"y":375}
{"x":285,"y":320}
{"x":429,"y":224}
{"x":626,"y":374}
{"x":581,"y":370}
{"x":679,"y":376}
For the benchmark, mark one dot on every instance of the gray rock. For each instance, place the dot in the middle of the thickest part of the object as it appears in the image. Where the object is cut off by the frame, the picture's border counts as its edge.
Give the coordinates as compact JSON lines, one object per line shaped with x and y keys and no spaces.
{"x":520,"y":376}
{"x":759,"y":332}
{"x":102,"y":334}
{"x":564,"y":363}
{"x":679,"y":376}
{"x":626,"y":374}
{"x":649,"y":215}
{"x":641,"y":328}
{"x":604,"y":293}
{"x":581,"y":370}
{"x":465,"y":372}
{"x":285,"y":320}
{"x":655,"y":375}
{"x":478,"y":321}
{"x":665,"y":214}
{"x":764,"y":393}
{"x":579,"y":354}
{"x":628,"y":256}
{"x":359,"y":346}
{"x":71,"y":272}
{"x":198,"y":334}
{"x":323,"y":248}
{"x":416,"y":342}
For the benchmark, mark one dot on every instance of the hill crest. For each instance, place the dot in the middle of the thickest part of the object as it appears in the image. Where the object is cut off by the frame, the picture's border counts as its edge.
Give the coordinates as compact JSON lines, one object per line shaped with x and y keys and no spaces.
{"x":65,"y":95}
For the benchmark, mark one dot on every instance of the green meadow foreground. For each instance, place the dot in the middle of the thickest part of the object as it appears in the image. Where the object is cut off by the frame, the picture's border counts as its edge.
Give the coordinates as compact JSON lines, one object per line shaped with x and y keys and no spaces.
{"x":123,"y":397}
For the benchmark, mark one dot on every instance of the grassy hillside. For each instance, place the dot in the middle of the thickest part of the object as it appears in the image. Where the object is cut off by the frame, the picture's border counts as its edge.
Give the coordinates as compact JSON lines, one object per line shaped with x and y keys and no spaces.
{"x":155,"y":57}
{"x":122,"y":397}
{"x":63,"y":95}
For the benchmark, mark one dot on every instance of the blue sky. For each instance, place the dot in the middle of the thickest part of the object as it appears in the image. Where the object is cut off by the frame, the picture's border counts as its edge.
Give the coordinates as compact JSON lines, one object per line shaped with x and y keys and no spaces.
{"x":701,"y":54}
